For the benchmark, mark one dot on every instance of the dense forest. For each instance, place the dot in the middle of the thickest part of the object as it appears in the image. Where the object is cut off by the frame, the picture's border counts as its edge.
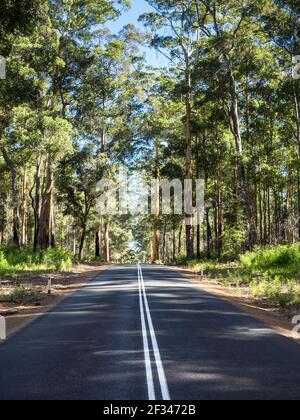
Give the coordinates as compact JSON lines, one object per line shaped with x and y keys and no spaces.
{"x":77,"y":102}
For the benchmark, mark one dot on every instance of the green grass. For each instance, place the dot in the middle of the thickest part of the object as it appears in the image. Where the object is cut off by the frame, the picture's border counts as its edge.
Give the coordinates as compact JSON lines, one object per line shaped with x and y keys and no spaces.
{"x":271,"y":273}
{"x":281,"y":261}
{"x":15,"y":261}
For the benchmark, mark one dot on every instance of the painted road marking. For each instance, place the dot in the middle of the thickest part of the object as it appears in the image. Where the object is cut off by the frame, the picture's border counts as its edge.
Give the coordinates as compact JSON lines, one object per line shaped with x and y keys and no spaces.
{"x":160,"y":369}
{"x":149,"y":375}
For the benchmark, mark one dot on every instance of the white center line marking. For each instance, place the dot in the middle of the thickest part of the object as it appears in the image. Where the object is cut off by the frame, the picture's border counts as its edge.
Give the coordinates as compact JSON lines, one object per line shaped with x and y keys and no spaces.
{"x":150,"y":383}
{"x":159,"y":365}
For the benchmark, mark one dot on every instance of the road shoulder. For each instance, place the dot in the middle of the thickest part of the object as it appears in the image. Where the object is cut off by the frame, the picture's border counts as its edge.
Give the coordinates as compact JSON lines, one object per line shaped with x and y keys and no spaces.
{"x":274,"y":318}
{"x":19,"y":314}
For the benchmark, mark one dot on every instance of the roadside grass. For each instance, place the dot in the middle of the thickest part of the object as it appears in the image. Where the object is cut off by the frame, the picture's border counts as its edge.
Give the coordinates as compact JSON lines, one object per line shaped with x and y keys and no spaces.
{"x":270,"y":273}
{"x":22,"y":261}
{"x":17,"y":294}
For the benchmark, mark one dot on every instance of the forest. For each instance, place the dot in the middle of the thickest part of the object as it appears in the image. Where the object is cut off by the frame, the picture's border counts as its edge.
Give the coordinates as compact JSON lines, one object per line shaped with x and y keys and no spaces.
{"x":77,"y":102}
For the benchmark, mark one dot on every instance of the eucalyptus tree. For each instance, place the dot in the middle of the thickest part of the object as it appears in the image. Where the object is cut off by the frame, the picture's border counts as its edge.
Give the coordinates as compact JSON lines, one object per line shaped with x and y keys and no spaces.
{"x":160,"y":152}
{"x":176,"y":36}
{"x":282,"y":24}
{"x":66,"y":44}
{"x":107,"y":102}
{"x":77,"y":181}
{"x":17,"y":21}
{"x":230,"y":27}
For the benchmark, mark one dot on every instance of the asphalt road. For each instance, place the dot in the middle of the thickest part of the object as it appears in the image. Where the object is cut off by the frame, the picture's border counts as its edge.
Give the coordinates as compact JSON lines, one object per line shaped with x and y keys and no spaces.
{"x":136,"y":334}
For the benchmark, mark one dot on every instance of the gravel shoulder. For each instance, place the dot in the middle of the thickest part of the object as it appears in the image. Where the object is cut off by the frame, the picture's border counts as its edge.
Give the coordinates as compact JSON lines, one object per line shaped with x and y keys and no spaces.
{"x":28,"y":308}
{"x":278,"y":319}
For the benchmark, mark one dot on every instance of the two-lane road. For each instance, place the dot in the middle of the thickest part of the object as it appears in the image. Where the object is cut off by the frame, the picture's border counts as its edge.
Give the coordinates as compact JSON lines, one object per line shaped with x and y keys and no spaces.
{"x":138,"y":333}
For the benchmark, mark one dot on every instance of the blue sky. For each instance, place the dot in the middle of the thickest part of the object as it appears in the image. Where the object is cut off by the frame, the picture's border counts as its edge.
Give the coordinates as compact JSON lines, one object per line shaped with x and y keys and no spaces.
{"x":138,"y":8}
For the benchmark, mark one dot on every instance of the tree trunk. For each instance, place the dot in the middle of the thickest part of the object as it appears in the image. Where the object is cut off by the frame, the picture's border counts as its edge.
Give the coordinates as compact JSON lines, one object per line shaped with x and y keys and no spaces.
{"x":297,"y":106}
{"x":155,"y":230}
{"x":106,"y":241}
{"x":45,"y":220}
{"x":269,"y":218}
{"x":97,"y":244}
{"x":37,"y":201}
{"x":74,"y":244}
{"x":164,"y":253}
{"x":198,"y":242}
{"x":219,"y":223}
{"x":82,"y":240}
{"x":198,"y":215}
{"x":208,"y":235}
{"x":52,"y":225}
{"x":260,"y":208}
{"x":180,"y":240}
{"x":174,"y":242}
{"x":219,"y":206}
{"x":236,"y":130}
{"x":189,"y":171}
{"x":15,"y":196}
{"x":3,"y":216}
{"x":208,"y":227}
{"x":24,"y":209}
{"x":241,"y":172}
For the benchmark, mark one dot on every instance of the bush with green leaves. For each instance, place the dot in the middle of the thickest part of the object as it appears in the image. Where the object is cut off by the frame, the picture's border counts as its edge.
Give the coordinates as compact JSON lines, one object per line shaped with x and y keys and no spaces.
{"x":281,"y":260}
{"x":15,"y":260}
{"x":276,"y":290}
{"x":271,"y":272}
{"x":233,"y":243}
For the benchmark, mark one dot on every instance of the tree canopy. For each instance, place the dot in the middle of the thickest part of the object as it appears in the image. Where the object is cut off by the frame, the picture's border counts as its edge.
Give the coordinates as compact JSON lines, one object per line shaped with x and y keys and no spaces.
{"x":79,"y":103}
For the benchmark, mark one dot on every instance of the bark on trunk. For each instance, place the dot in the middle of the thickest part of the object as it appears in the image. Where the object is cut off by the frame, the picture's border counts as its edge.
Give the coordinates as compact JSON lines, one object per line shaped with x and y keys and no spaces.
{"x":82,"y":240}
{"x":45,"y":220}
{"x":155,"y":230}
{"x":97,"y":244}
{"x":106,"y":241}
{"x":297,"y":107}
{"x":15,"y":196}
{"x":189,"y":172}
{"x":174,"y":243}
{"x":180,"y":240}
{"x":24,"y":209}
{"x":37,"y":201}
{"x":241,"y":171}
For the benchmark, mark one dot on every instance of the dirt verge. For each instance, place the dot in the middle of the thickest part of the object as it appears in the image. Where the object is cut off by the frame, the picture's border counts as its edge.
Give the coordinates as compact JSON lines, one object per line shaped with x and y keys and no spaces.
{"x":278,"y":319}
{"x":38,"y":301}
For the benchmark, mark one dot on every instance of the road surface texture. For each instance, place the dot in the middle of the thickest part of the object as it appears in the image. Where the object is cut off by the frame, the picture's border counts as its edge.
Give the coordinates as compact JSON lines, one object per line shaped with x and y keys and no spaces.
{"x":146,"y":333}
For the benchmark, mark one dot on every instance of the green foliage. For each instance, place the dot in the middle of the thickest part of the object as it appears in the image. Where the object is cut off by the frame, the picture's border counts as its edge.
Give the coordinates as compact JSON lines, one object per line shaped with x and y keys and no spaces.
{"x":15,"y":260}
{"x":78,"y":100}
{"x":3,"y":261}
{"x":18,"y":17}
{"x":273,"y":289}
{"x":182,"y":260}
{"x":60,"y":258}
{"x":233,"y":242}
{"x":271,"y":273}
{"x":282,"y":260}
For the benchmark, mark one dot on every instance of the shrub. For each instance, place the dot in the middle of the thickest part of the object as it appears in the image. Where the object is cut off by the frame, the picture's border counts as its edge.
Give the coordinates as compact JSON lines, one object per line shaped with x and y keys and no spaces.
{"x":14,"y":260}
{"x":182,"y":260}
{"x":281,"y":260}
{"x":3,"y":261}
{"x":60,"y":258}
{"x":233,"y":243}
{"x":280,"y":293}
{"x":18,"y":294}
